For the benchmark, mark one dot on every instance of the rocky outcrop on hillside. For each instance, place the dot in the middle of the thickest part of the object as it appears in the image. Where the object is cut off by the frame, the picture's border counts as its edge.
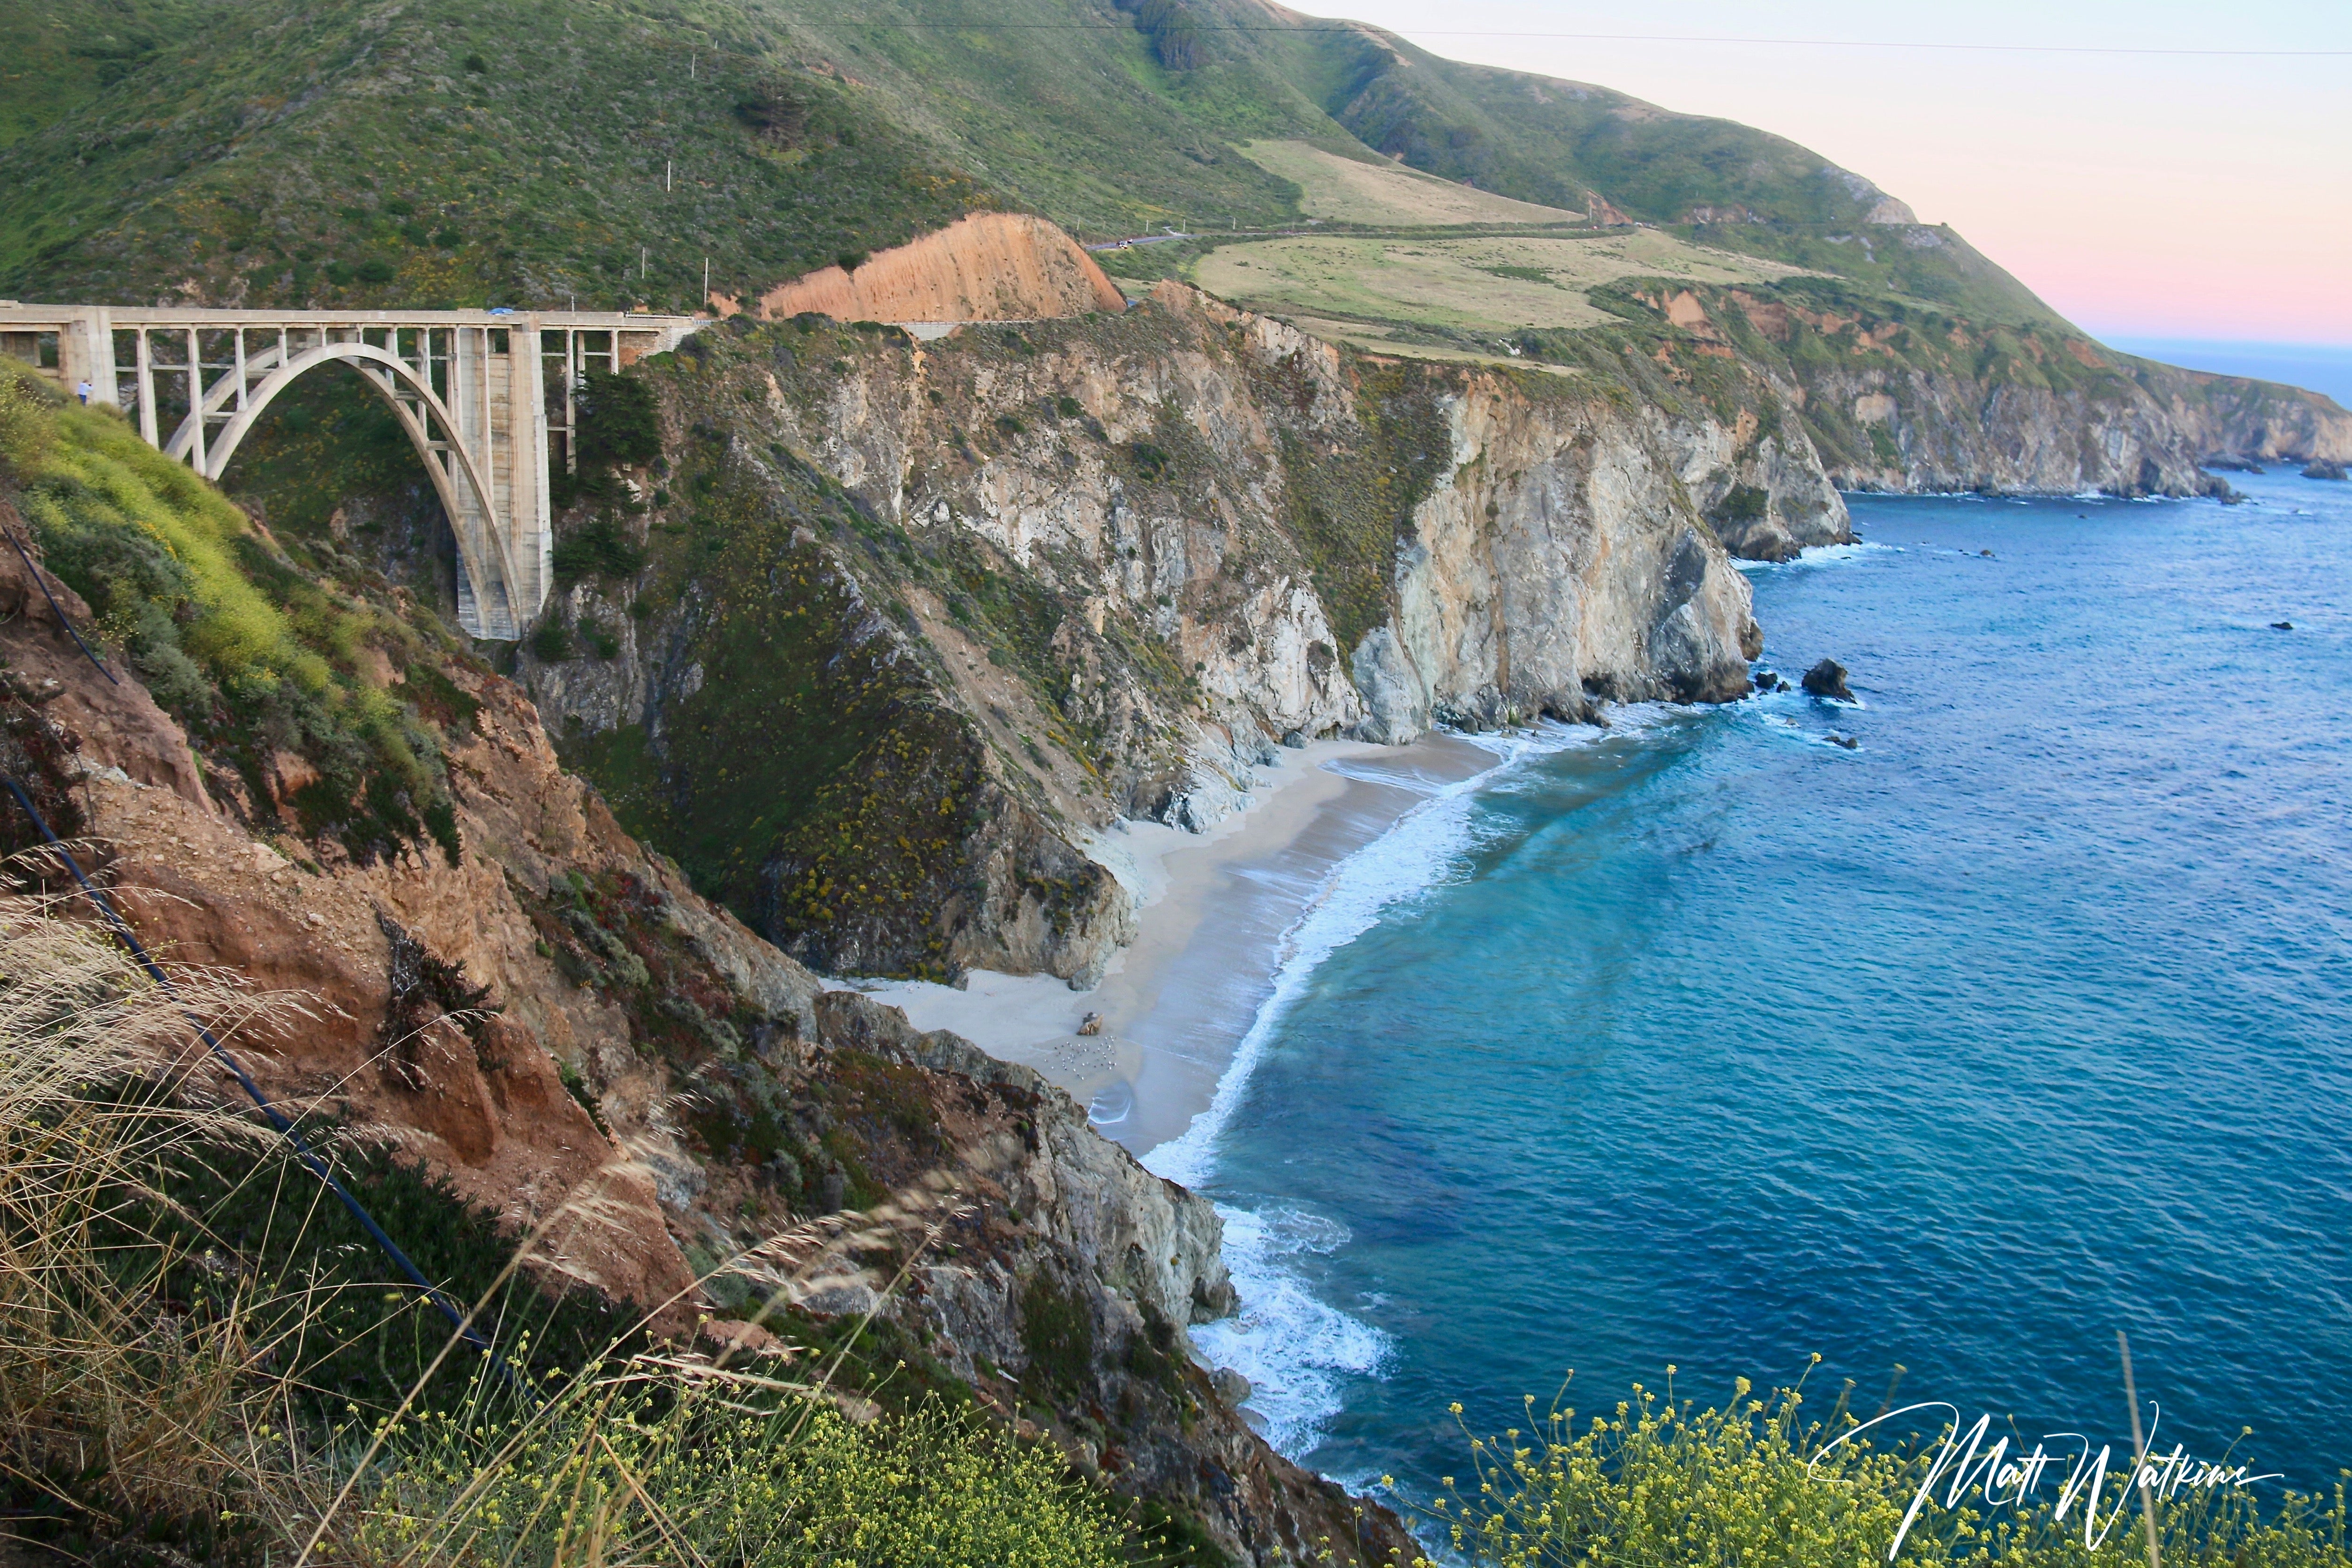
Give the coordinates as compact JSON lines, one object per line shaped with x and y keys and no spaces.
{"x":1956,"y":433}
{"x":559,"y":1025}
{"x":1898,"y":398}
{"x":2252,"y":421}
{"x":988,"y":266}
{"x":1074,"y":571}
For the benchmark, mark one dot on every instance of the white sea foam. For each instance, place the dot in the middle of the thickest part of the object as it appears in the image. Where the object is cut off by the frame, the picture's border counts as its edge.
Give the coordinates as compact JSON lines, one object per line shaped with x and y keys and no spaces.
{"x":1819,"y":556}
{"x":1294,"y":1349}
{"x":1410,"y":858}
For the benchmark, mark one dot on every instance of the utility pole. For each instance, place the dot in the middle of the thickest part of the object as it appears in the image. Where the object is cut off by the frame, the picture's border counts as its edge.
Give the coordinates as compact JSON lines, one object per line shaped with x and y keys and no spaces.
{"x":670,"y":168}
{"x":705,"y":280}
{"x":641,"y":264}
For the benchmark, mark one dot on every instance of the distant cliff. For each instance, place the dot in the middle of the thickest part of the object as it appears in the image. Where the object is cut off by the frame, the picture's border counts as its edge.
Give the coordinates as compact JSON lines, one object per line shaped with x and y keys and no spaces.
{"x":1913,"y":398}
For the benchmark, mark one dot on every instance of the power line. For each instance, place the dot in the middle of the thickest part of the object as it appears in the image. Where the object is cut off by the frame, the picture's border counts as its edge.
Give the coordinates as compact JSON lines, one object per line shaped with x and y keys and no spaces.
{"x":1631,"y":38}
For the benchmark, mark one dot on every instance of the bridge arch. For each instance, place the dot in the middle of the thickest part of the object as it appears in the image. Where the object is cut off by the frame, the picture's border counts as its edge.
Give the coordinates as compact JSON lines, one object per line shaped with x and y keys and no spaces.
{"x":396,"y":380}
{"x":484,"y":397}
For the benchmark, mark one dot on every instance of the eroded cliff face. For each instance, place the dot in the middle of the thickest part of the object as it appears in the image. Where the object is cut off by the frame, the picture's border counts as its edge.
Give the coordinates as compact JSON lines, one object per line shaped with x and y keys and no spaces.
{"x":559,"y":1025}
{"x":1110,"y":563}
{"x":1952,"y":432}
{"x":986,"y":267}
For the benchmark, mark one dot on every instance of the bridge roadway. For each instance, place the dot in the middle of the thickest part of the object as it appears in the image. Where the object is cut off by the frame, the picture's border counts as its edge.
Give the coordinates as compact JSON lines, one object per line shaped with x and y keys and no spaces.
{"x":488,"y":397}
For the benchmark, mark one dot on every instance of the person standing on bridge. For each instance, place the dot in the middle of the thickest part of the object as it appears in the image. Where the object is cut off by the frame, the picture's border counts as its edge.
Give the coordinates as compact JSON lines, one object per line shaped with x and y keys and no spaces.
{"x":85,"y":389}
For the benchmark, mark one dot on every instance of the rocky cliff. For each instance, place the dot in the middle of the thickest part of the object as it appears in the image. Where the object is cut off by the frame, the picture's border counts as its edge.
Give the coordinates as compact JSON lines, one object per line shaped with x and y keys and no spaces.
{"x":1908,"y":397}
{"x":891,"y":627}
{"x":551,"y":1020}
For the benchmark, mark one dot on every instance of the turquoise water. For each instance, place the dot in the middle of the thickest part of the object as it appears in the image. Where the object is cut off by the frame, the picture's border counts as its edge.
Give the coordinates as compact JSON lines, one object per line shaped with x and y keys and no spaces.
{"x":1707,"y":1042}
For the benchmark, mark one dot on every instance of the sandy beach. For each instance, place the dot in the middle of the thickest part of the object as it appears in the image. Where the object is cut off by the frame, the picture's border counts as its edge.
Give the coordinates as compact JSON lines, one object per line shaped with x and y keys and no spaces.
{"x":1215,"y":907}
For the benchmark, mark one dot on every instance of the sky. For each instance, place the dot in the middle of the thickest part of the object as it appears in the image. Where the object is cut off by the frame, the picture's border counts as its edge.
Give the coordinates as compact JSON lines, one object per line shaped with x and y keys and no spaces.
{"x":2199,"y":196}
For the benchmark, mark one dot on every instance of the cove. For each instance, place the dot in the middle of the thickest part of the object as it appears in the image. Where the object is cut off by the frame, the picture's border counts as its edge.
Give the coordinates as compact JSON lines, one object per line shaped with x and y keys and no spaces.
{"x":1705,"y":1042}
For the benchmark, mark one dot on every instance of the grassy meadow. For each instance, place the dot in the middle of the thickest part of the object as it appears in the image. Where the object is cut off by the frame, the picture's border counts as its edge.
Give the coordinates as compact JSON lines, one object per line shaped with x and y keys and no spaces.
{"x":1380,"y":193}
{"x":1500,"y":284}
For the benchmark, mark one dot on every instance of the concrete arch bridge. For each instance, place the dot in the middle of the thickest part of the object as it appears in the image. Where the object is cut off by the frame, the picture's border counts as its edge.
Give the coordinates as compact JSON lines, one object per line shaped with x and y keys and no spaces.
{"x":485,"y":396}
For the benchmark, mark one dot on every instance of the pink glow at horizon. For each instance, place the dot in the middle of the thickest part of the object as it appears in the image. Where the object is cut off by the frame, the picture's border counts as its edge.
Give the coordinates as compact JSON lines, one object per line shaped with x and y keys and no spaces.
{"x":2199,"y":196}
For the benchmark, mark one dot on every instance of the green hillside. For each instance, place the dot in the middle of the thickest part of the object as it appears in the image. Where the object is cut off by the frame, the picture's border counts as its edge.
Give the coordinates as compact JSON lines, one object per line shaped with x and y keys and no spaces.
{"x":507,"y":153}
{"x":532,"y":151}
{"x":604,"y":152}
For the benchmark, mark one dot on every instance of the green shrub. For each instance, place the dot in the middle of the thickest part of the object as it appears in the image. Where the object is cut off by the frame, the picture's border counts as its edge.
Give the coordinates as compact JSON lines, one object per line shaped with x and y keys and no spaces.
{"x":1658,"y":1484}
{"x":600,"y":548}
{"x":647,"y":1475}
{"x":1743,"y":503}
{"x":1057,"y":1335}
{"x":551,"y":641}
{"x":27,"y":424}
{"x":374,"y":270}
{"x":776,"y":109}
{"x":619,"y":425}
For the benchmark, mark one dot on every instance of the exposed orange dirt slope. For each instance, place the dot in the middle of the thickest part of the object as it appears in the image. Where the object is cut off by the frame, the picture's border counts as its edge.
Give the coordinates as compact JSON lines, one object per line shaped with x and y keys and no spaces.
{"x":989,"y":267}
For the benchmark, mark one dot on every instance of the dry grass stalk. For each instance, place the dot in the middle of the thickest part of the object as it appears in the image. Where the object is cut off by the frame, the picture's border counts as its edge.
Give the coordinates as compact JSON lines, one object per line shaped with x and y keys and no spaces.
{"x":98,"y":1086}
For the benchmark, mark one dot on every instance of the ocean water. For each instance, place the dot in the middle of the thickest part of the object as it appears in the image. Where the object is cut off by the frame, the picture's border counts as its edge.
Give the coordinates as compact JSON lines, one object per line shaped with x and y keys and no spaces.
{"x":1707,"y":1042}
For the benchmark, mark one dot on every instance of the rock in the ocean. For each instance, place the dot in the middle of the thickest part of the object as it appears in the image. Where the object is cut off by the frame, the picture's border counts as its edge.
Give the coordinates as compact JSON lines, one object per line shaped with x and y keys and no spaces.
{"x":2323,"y":469}
{"x":1231,"y":1386}
{"x":1091,"y":1024}
{"x":1848,"y":742}
{"x":2282,"y":626}
{"x":1827,"y":679}
{"x":1766,"y":680}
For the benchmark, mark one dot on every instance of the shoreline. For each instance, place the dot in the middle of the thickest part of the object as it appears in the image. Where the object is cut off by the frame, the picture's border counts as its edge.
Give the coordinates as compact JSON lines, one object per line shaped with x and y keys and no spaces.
{"x":1177,"y":1002}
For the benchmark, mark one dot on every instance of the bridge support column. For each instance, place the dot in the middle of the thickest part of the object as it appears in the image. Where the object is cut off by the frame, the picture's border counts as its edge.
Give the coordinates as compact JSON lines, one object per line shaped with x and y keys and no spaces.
{"x":526,"y":423}
{"x":86,"y":352}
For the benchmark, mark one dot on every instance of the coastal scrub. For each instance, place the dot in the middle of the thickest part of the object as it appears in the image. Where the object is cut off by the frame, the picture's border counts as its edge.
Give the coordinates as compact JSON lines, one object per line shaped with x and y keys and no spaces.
{"x":287,"y":682}
{"x":1659,"y":1483}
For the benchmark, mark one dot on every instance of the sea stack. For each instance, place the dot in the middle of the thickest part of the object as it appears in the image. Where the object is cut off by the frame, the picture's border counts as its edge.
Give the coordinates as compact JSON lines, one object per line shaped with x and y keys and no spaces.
{"x":1827,"y":679}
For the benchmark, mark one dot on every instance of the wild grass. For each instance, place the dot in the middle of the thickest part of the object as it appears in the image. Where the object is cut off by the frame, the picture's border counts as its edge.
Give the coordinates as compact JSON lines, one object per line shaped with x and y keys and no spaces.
{"x":143,"y":1423}
{"x":98,"y":1087}
{"x":1659,"y":1483}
